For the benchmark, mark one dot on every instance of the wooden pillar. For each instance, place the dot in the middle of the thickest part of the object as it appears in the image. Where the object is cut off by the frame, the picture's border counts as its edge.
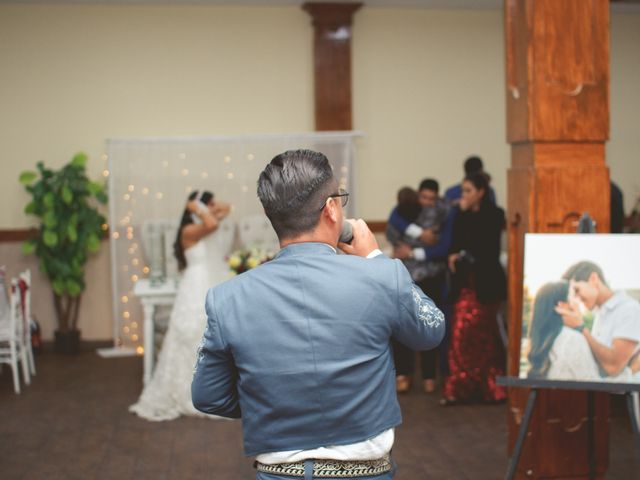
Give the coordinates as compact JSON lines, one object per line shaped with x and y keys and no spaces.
{"x":332,"y":63}
{"x":557,"y":124}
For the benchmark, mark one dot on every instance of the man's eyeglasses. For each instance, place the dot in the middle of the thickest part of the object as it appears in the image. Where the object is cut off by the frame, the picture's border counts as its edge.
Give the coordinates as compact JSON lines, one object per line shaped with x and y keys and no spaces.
{"x":343,"y":194}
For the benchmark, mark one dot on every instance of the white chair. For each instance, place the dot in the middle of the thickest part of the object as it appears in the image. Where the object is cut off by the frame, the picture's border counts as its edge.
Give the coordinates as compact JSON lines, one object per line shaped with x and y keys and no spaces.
{"x":11,"y":351}
{"x":24,"y":285}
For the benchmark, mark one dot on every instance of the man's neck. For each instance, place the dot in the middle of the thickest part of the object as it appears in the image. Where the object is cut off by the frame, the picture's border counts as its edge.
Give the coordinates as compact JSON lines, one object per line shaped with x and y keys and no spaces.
{"x":604,"y":294}
{"x":309,"y":238}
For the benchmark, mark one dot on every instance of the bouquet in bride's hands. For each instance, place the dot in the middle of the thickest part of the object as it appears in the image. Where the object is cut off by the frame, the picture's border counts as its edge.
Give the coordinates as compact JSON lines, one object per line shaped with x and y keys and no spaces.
{"x":247,"y":258}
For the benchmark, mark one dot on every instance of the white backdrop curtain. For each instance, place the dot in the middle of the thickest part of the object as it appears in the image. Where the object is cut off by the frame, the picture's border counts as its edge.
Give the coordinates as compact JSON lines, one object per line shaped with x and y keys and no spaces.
{"x":150,"y":179}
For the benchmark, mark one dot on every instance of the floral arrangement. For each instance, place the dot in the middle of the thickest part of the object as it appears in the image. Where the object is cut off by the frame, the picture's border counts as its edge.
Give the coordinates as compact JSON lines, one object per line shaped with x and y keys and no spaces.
{"x":247,"y":258}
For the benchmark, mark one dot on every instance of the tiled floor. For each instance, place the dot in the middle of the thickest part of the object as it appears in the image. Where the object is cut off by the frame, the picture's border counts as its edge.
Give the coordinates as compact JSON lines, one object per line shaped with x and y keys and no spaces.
{"x":73,"y":423}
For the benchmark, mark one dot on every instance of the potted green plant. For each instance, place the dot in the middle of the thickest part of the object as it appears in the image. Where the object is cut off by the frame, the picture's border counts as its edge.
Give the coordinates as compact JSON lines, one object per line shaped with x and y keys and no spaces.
{"x":65,"y":202}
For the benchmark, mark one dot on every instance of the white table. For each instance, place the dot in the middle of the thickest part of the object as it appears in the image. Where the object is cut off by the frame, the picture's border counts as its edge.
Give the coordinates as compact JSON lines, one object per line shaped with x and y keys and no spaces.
{"x":152,"y":296}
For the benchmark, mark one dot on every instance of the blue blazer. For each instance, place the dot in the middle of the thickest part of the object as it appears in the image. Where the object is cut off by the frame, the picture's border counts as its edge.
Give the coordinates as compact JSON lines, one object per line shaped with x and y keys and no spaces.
{"x":300,"y":347}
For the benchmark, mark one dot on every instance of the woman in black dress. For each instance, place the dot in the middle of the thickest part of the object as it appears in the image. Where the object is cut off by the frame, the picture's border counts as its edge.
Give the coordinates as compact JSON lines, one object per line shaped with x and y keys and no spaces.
{"x":476,"y":354}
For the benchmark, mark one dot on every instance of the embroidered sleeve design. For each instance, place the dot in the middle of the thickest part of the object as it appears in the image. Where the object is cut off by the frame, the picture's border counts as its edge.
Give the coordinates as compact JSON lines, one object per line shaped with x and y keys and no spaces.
{"x":428,"y":313}
{"x":200,"y":353}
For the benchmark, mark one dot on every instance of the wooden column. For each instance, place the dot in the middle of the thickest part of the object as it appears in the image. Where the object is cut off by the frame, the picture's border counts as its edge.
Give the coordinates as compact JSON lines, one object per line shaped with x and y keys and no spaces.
{"x":332,"y":63}
{"x":557,"y":124}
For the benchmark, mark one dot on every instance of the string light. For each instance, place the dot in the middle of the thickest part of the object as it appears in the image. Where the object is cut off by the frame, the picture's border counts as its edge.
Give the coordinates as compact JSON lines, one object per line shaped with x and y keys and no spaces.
{"x":130,"y":188}
{"x":188,"y":189}
{"x":125,"y":329}
{"x":115,"y":235}
{"x":182,"y":156}
{"x":126,"y":196}
{"x":230,"y":175}
{"x":184,"y":172}
{"x":139,"y":350}
{"x":134,"y":324}
{"x":104,"y":227}
{"x":145,"y":191}
{"x":165,"y":164}
{"x":134,"y":262}
{"x":124,"y":299}
{"x":250,"y":157}
{"x":227,"y":159}
{"x":126,"y":314}
{"x":134,"y":337}
{"x":245,"y":188}
{"x":145,"y":270}
{"x":104,"y":157}
{"x":105,"y":173}
{"x":134,"y":278}
{"x":125,"y":268}
{"x":204,"y":175}
{"x":159,"y":195}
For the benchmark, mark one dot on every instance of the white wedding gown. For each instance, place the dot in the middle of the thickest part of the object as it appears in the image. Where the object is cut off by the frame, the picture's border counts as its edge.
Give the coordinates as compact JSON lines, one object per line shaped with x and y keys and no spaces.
{"x":168,"y":393}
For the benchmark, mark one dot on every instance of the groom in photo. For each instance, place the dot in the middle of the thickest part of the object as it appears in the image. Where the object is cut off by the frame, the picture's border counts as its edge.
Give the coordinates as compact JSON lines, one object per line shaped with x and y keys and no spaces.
{"x":615,"y":337}
{"x":299,"y":347}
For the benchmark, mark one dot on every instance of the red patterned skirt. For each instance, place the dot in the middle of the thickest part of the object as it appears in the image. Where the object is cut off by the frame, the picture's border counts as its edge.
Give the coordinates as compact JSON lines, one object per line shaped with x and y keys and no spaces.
{"x":476,"y":353}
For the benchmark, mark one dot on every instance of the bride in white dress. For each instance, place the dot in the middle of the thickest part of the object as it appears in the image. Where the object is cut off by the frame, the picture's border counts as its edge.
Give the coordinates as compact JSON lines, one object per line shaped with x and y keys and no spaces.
{"x":201,"y":245}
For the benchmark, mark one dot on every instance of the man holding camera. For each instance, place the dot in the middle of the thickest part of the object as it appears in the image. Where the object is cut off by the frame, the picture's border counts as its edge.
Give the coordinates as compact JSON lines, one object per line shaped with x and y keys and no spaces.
{"x":299,"y":347}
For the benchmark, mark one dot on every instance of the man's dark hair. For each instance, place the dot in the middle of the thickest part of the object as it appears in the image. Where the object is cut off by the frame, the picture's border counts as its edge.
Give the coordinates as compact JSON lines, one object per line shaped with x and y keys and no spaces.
{"x":429,"y":184}
{"x":473,"y":165}
{"x":581,"y":271}
{"x":292,"y":189}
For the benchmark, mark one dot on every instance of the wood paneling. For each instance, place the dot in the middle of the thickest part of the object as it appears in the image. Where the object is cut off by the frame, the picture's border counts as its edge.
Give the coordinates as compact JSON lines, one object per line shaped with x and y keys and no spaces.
{"x":17,"y":235}
{"x":332,"y":63}
{"x":557,"y":122}
{"x":558,"y":70}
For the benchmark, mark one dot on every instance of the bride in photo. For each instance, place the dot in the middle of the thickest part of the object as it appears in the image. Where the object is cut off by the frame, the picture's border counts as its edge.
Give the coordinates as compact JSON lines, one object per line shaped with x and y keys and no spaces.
{"x":200,"y":250}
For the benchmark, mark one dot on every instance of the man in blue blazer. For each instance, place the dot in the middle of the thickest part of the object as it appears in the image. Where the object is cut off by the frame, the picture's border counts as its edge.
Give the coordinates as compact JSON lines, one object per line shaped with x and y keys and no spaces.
{"x":300,"y":346}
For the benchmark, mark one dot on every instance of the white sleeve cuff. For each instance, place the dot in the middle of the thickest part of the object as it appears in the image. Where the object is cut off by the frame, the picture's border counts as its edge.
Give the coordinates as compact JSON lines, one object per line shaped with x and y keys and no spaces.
{"x":413,"y":231}
{"x":375,"y":253}
{"x":419,"y":254}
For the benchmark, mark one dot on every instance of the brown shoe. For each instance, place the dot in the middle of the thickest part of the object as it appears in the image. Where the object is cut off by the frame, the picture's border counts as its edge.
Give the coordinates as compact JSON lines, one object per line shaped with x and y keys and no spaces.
{"x":403,"y":383}
{"x":429,"y":385}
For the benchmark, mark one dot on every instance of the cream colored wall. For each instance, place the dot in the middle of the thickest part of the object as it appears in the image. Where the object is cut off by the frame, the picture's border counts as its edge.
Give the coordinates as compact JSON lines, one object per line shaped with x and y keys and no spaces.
{"x":73,"y":76}
{"x":623,"y":148}
{"x":427,"y":92}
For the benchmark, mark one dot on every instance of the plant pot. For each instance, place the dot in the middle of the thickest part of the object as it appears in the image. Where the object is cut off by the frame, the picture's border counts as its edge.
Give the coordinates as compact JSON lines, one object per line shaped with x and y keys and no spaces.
{"x":67,"y":342}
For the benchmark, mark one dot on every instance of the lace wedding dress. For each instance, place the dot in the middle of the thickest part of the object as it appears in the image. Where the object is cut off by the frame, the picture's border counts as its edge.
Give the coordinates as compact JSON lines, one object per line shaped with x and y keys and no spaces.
{"x":168,"y":393}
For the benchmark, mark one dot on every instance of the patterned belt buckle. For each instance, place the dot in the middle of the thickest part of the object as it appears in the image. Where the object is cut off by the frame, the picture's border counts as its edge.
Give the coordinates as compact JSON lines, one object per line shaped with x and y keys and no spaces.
{"x":331,"y":468}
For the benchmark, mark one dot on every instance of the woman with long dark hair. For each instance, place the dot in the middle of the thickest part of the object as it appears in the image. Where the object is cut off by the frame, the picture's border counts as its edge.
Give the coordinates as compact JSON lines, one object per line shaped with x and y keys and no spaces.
{"x":200,"y":250}
{"x":476,"y":353}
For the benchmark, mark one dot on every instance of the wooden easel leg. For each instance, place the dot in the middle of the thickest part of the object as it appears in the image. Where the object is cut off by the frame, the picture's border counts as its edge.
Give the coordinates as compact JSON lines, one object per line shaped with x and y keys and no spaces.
{"x":591,"y":447}
{"x":524,"y":426}
{"x":634,"y":422}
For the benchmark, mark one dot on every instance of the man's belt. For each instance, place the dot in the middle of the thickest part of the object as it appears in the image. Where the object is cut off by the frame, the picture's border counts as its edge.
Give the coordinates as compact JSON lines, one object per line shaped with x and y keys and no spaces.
{"x":331,"y":468}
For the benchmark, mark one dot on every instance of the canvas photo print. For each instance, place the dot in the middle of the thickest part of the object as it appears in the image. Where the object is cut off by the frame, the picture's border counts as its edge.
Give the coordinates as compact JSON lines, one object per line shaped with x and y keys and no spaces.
{"x":581,"y":308}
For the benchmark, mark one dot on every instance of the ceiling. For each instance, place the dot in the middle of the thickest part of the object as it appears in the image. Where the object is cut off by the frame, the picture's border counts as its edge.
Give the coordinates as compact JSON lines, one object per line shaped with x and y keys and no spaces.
{"x":630,"y":6}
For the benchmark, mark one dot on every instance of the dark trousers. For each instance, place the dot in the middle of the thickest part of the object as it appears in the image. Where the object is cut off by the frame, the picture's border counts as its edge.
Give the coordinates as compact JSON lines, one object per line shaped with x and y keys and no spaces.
{"x":404,"y":357}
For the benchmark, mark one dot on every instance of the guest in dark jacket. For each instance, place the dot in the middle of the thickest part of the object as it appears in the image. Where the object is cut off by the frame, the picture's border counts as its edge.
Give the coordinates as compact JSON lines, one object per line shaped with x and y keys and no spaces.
{"x":476,"y":352}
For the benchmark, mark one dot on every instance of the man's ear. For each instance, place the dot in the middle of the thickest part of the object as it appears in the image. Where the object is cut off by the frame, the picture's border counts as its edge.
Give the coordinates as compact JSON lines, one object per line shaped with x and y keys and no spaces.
{"x":331,"y":210}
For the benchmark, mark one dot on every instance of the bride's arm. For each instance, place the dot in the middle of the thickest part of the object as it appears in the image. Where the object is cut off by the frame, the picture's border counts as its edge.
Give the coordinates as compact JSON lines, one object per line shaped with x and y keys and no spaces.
{"x":221,"y":210}
{"x":194,"y":232}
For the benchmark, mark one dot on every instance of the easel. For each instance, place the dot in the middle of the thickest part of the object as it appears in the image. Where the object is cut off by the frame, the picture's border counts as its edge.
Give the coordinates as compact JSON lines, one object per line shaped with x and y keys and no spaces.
{"x":590,"y":387}
{"x":630,"y":390}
